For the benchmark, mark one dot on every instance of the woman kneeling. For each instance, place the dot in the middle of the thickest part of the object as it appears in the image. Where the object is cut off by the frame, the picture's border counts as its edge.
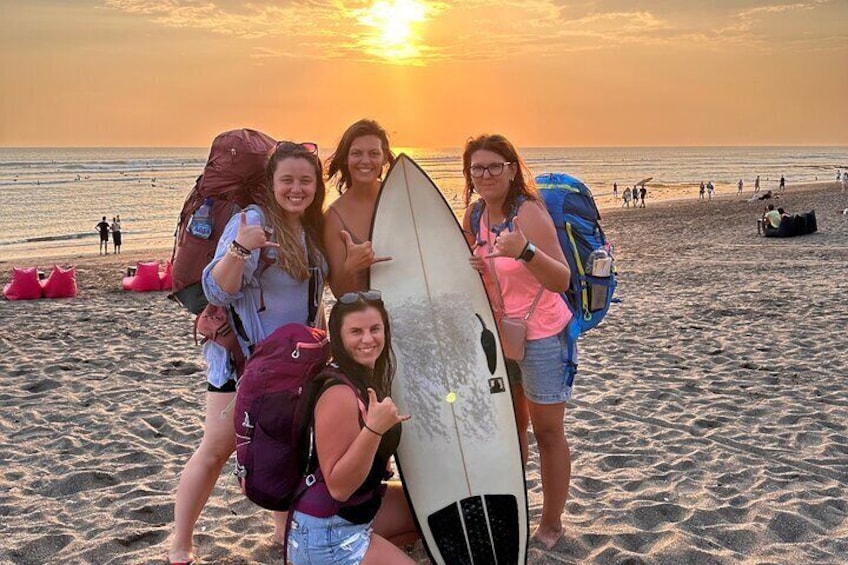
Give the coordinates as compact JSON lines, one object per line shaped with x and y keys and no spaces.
{"x":357,"y":429}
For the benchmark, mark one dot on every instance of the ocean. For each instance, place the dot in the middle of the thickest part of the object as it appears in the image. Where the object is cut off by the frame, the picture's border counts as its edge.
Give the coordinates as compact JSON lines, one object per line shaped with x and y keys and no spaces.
{"x":51,"y":198}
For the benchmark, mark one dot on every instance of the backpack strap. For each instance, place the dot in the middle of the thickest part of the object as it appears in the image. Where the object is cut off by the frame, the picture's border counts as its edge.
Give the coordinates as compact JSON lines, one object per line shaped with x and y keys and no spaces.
{"x":476,"y":213}
{"x":479,"y":205}
{"x":312,"y":491}
{"x":584,"y":287}
{"x":316,"y":284}
{"x":214,"y":325}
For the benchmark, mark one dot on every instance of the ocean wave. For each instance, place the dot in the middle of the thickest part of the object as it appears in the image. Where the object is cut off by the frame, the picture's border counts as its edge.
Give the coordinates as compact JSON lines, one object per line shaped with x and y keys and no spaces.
{"x":115,"y":166}
{"x":47,"y":238}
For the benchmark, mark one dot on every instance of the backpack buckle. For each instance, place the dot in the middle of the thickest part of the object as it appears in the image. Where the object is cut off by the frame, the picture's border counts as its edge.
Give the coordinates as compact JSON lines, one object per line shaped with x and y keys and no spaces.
{"x":310,"y":479}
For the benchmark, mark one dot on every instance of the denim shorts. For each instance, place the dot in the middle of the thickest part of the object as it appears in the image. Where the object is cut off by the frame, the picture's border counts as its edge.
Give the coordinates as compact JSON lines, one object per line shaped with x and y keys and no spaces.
{"x":327,"y":541}
{"x":545,"y":374}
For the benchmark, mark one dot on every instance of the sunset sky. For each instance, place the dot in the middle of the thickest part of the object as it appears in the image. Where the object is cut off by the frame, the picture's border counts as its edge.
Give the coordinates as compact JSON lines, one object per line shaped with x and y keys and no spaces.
{"x":543,"y":72}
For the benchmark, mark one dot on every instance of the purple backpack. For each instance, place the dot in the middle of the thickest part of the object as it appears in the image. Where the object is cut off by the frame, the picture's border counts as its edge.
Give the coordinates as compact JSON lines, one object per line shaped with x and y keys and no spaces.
{"x":273,"y":414}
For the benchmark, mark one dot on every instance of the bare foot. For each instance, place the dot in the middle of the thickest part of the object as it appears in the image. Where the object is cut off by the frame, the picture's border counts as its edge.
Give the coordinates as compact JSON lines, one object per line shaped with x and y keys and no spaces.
{"x":547,"y":538}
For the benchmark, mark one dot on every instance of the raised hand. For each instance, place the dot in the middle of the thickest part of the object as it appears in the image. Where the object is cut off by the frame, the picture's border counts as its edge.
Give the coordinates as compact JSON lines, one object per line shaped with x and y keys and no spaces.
{"x":509,"y":244}
{"x":382,"y":415}
{"x":359,"y":256}
{"x":252,"y":236}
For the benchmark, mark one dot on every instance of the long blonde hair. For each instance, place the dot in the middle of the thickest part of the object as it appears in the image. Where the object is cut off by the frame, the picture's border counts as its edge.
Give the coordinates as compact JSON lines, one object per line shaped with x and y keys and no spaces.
{"x":290,"y":257}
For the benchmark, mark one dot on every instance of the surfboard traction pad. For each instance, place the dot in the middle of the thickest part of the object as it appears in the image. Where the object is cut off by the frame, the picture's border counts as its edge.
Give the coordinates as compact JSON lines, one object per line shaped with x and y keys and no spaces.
{"x":464,"y":537}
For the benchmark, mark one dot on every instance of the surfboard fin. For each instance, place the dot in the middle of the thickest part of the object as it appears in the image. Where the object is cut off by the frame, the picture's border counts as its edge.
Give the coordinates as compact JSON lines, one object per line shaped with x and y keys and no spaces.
{"x":487,"y":340}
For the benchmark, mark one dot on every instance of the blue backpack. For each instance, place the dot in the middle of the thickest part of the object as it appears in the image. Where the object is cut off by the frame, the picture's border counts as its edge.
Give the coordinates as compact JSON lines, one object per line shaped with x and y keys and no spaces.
{"x":576,"y":217}
{"x":577,"y":220}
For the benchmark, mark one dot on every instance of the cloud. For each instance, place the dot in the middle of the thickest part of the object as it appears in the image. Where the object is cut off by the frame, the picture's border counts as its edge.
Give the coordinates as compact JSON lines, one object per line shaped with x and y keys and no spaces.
{"x":474,"y":30}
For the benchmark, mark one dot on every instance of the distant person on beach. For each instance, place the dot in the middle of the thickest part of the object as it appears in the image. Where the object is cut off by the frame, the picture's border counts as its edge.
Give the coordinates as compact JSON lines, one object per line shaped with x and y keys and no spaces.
{"x":615,"y":190}
{"x":286,"y":233}
{"x":757,"y":184}
{"x":782,"y":186}
{"x":522,"y":264}
{"x":103,"y":229}
{"x":710,"y":190}
{"x":626,"y":197}
{"x":838,"y":174}
{"x":642,"y":193}
{"x":767,"y":195}
{"x":355,"y":432}
{"x":739,"y":186}
{"x":701,"y":191}
{"x":116,"y":234}
{"x":358,"y":164}
{"x":844,"y":181}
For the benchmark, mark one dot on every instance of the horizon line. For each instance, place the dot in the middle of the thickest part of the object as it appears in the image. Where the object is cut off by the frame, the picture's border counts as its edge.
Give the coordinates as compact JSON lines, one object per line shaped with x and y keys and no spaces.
{"x":727,"y":146}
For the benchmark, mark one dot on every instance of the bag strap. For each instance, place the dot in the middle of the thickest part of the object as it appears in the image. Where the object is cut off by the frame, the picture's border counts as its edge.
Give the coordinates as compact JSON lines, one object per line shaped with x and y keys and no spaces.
{"x":315,"y":284}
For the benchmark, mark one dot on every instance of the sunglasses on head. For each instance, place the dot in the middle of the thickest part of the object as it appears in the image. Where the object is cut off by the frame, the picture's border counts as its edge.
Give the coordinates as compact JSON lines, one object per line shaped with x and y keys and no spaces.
{"x":366,"y":295}
{"x":308,"y":146}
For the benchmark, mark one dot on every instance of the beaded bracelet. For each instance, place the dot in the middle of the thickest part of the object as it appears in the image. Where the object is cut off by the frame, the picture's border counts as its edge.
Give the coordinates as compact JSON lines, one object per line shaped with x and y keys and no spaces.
{"x":232,"y":251}
{"x":239,"y":247}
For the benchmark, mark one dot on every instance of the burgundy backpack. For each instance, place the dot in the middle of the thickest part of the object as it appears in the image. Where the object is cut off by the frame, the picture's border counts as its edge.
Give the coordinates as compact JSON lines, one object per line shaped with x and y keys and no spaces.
{"x":273,"y":413}
{"x":234,"y":177}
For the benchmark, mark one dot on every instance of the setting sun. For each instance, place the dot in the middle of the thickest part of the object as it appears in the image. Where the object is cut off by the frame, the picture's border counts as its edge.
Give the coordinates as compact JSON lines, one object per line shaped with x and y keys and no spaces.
{"x":393,"y":22}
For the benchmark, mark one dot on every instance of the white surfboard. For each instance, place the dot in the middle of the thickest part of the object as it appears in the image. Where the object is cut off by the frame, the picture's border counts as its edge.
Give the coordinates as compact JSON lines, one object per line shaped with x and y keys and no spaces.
{"x":459,"y":455}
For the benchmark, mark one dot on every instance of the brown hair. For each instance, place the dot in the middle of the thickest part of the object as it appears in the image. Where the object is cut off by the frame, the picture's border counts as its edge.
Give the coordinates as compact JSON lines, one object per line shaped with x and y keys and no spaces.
{"x":380,"y":379}
{"x":290,"y":257}
{"x":521,"y":185}
{"x":337,"y":164}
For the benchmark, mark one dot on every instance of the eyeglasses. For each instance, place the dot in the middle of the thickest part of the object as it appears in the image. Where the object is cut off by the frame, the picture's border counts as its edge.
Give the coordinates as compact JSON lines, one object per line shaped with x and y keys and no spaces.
{"x":308,"y":146}
{"x":366,"y":295}
{"x":495,"y":169}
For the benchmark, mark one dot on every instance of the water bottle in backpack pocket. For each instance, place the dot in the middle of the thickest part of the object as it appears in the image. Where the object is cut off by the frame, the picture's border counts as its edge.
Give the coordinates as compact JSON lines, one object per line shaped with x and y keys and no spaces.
{"x":600,"y":267}
{"x":200,"y":225}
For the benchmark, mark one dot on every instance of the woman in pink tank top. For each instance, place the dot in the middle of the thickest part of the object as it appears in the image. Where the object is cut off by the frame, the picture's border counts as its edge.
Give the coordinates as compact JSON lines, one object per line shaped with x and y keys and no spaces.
{"x":358,"y":164}
{"x":519,"y":256}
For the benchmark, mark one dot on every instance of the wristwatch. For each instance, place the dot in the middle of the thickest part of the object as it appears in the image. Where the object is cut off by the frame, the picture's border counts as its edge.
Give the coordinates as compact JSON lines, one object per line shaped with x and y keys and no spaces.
{"x":528,"y":253}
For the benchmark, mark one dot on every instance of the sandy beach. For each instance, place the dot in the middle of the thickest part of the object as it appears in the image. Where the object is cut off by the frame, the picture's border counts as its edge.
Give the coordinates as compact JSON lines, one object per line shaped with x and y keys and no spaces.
{"x":709,"y":422}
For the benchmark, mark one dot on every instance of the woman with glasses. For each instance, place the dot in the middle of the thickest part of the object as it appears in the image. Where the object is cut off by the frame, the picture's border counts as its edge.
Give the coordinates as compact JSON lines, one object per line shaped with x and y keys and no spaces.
{"x":269,"y":267}
{"x":357,"y":429}
{"x":519,"y":256}
{"x":358,"y":164}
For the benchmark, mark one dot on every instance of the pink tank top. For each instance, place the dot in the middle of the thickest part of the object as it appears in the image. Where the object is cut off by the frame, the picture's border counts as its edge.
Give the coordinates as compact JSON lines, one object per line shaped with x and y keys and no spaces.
{"x":519,"y":288}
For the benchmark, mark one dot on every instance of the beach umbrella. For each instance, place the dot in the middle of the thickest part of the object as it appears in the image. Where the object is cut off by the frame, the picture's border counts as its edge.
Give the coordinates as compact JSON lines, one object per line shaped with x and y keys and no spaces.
{"x":644,"y":181}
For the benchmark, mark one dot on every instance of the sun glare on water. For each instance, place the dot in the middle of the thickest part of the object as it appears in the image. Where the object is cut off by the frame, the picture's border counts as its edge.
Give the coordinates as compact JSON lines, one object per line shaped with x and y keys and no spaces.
{"x":393,"y":23}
